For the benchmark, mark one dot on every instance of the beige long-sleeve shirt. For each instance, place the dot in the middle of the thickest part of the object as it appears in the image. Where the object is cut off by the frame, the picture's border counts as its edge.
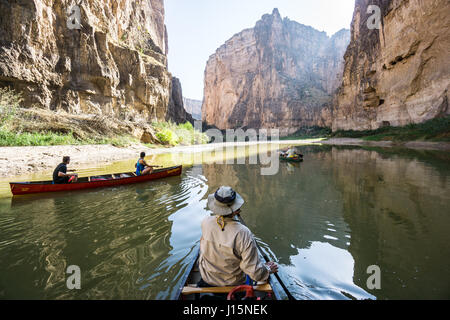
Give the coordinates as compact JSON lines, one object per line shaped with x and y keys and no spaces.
{"x":226,"y":257}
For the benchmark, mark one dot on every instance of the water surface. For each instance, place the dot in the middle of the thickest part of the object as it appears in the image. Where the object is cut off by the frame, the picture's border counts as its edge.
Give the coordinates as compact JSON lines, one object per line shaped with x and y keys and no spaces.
{"x":325,"y":221}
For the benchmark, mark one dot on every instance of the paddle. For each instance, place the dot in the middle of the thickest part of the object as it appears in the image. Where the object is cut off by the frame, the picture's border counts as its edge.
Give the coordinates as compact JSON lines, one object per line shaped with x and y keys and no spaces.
{"x":289,"y":295}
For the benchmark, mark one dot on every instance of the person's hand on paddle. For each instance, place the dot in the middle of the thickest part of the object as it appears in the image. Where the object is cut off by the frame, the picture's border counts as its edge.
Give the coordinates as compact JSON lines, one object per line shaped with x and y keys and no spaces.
{"x":272,"y":266}
{"x":73,"y":177}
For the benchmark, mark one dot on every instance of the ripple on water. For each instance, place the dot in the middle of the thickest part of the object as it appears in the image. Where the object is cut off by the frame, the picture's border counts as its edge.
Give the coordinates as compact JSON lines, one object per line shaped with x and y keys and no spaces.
{"x":324,"y":221}
{"x":116,"y":236}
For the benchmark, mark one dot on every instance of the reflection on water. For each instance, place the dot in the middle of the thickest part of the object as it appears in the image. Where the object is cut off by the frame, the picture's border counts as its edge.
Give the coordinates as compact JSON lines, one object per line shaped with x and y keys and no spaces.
{"x":122,"y":239}
{"x":325,"y":221}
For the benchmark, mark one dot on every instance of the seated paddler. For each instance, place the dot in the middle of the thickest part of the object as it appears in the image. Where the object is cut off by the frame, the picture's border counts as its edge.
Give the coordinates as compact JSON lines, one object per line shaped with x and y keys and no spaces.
{"x":228,"y":251}
{"x":142,"y":167}
{"x":291,"y":153}
{"x":60,"y":175}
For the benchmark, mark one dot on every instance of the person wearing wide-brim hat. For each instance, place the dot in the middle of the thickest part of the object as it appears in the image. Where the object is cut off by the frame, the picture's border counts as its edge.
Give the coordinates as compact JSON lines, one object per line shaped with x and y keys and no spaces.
{"x":228,"y":251}
{"x":225,"y":201}
{"x":291,"y":152}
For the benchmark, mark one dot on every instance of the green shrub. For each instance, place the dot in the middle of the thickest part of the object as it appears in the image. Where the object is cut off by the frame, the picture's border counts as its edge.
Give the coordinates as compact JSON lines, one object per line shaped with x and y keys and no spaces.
{"x":185,"y":137}
{"x":184,"y":134}
{"x":167,"y":136}
{"x":188,"y":126}
{"x":201,"y":138}
{"x":8,"y":138}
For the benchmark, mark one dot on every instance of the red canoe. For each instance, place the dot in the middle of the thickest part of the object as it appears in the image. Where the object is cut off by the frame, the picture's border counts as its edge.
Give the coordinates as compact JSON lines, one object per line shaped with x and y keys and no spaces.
{"x":21,"y":188}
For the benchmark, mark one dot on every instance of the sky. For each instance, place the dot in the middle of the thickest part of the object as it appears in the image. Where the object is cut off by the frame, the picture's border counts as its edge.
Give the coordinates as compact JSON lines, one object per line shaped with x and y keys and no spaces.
{"x":196,"y":28}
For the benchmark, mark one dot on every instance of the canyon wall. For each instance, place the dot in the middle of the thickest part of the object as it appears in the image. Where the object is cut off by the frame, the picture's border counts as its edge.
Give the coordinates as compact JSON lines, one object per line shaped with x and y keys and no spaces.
{"x":176,"y":111}
{"x":279,"y":74}
{"x":114,"y":64}
{"x":194,"y":107}
{"x":397,"y":74}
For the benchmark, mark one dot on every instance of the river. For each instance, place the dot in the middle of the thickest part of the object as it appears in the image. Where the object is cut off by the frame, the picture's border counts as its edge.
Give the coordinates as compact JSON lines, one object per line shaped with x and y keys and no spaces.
{"x":324,"y":221}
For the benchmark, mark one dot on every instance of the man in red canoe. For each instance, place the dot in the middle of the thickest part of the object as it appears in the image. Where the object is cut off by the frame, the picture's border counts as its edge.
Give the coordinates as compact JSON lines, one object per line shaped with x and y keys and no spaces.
{"x":60,"y":175}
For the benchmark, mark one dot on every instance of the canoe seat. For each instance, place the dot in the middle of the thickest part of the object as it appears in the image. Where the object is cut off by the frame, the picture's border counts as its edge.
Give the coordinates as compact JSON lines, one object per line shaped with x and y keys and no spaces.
{"x":192,"y":289}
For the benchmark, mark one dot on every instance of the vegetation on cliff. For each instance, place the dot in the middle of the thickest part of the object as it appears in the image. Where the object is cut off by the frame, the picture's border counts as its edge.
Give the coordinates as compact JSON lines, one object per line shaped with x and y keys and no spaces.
{"x":309,"y":133}
{"x":39,"y":127}
{"x":182,"y":134}
{"x":9,"y":103}
{"x":433,"y":130}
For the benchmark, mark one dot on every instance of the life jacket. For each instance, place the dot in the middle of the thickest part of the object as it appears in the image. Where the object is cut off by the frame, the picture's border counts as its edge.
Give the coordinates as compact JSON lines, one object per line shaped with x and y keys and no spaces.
{"x":139,"y":167}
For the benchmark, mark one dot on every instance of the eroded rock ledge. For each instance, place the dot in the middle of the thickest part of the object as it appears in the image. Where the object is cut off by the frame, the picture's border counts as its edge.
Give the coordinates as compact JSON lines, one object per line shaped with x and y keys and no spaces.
{"x":398,"y":74}
{"x":114,"y":66}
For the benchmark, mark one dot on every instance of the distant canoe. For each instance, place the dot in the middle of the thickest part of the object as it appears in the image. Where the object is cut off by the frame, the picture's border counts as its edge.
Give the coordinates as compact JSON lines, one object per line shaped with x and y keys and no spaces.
{"x":102,"y":181}
{"x":296,"y":159}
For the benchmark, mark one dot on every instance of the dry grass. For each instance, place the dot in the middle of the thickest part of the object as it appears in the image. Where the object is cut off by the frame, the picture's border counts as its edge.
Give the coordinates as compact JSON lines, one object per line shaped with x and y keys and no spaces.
{"x":43,"y":127}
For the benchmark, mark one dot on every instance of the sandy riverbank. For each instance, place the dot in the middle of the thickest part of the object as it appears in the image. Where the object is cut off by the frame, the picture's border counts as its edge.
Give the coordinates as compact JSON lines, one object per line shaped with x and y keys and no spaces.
{"x":16,"y":161}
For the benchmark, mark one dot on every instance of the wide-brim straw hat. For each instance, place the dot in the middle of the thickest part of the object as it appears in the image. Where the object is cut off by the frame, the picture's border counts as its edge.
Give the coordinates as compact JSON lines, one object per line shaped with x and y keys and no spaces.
{"x":225,"y":201}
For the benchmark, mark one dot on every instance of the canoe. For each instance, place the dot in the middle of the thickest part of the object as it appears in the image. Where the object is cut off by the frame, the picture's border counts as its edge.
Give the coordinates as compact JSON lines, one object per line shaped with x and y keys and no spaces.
{"x":102,"y":181}
{"x":189,"y":291}
{"x":297,"y":159}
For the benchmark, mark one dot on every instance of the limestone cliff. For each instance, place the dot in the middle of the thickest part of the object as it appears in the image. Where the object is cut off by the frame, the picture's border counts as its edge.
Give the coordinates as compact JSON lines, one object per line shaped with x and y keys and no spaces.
{"x":113,"y":65}
{"x":279,"y":74}
{"x":194,"y":107}
{"x":397,"y":74}
{"x":176,"y":111}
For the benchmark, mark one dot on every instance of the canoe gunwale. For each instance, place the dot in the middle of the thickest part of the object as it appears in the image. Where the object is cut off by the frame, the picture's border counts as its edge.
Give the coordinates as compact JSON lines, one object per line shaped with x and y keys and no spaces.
{"x":101,"y":175}
{"x":296,"y":160}
{"x":48,"y":186}
{"x":189,"y":270}
{"x":179,"y":293}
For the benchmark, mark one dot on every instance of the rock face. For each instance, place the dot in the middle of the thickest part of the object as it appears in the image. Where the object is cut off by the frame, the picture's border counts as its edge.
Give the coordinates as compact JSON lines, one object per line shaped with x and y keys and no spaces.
{"x":279,"y":74}
{"x":114,"y":65}
{"x":176,"y":111}
{"x":397,"y":74}
{"x":194,"y":107}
